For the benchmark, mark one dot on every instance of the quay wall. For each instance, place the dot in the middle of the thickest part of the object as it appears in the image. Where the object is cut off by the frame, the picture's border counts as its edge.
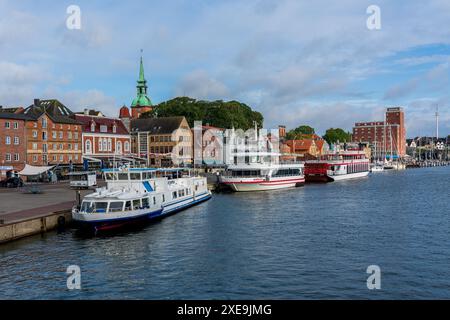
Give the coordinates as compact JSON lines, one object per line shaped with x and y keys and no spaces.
{"x":23,"y":228}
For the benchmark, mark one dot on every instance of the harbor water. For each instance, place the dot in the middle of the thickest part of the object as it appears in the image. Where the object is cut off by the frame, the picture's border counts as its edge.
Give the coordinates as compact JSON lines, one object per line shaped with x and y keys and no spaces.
{"x":311,"y":242}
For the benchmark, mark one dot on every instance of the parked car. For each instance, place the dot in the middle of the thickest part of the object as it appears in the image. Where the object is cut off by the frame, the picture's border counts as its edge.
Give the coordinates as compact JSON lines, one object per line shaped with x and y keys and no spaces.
{"x":13,"y":182}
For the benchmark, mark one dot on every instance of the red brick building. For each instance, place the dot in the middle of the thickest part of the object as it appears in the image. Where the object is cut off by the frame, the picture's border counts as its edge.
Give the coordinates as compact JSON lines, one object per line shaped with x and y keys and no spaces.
{"x":385,"y":135}
{"x":52,"y":136}
{"x":104,"y":137}
{"x":13,"y":151}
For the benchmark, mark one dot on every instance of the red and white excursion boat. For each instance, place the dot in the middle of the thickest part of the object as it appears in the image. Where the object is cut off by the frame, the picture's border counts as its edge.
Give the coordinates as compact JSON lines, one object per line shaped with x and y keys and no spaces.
{"x":261,"y":177}
{"x":347,"y":164}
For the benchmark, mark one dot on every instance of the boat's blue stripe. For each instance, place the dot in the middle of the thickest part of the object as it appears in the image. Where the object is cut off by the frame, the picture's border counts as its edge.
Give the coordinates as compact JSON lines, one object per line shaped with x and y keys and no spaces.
{"x":151,"y":214}
{"x":186,"y":205}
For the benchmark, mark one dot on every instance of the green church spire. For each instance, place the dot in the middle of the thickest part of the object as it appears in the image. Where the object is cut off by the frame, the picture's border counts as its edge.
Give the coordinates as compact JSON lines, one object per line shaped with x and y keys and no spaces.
{"x":141,"y":100}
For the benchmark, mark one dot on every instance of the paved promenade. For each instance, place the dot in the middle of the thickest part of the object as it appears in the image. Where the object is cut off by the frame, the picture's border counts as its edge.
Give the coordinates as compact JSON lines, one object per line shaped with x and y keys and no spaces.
{"x":18,"y":204}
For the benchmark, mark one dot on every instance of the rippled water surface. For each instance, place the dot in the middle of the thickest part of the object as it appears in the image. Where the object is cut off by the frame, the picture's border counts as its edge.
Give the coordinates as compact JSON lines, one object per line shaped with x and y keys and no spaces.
{"x":310,"y":242}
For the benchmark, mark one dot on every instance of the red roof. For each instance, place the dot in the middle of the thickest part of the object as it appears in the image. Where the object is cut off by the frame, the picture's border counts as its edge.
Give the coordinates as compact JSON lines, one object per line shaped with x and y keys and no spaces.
{"x":124,"y":112}
{"x":101,"y":121}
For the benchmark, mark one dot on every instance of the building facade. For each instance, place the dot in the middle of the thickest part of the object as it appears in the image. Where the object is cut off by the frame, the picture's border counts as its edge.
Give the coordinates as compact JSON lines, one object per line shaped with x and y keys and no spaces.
{"x":13,"y":151}
{"x":103,"y":137}
{"x":52,"y":136}
{"x":386,"y":137}
{"x":163,"y":142}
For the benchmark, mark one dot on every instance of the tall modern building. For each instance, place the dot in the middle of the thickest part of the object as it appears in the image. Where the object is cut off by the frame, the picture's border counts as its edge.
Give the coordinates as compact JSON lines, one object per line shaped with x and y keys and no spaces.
{"x":142,"y":102}
{"x":388,"y":137}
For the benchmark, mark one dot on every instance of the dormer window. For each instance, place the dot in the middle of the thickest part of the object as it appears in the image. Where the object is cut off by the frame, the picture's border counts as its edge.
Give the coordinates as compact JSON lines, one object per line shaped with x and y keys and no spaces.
{"x":114,"y":128}
{"x":103,"y":128}
{"x":93,"y":127}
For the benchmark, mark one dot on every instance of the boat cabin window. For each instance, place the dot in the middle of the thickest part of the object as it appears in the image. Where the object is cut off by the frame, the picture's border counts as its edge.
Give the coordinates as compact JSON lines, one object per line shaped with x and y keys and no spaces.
{"x":111,"y":176}
{"x":136,"y":204}
{"x":135,"y":175}
{"x":188,"y":191}
{"x":127,"y":205}
{"x":122,"y":176}
{"x":154,"y":200}
{"x":115,"y":206}
{"x":100,"y":207}
{"x":86,"y":206}
{"x":174,"y":195}
{"x":145,"y":203}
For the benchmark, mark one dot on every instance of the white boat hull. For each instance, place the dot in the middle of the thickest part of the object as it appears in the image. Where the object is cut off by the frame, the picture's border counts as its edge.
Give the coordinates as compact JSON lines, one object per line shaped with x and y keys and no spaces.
{"x":262,"y":185}
{"x":349,"y":176}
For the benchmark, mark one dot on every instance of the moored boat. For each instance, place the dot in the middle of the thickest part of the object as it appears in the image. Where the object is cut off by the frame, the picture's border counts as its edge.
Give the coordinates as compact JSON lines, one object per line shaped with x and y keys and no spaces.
{"x":342,"y":165}
{"x":138,"y":195}
{"x":262,"y":177}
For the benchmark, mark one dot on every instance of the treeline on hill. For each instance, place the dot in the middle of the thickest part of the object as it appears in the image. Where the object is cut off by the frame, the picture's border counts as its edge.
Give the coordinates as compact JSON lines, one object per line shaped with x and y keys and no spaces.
{"x":331,"y":136}
{"x":215,"y":113}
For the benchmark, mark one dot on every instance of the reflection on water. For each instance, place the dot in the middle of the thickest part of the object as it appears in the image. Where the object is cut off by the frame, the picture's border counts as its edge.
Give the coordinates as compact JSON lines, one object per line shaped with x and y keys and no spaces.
{"x":310,"y":242}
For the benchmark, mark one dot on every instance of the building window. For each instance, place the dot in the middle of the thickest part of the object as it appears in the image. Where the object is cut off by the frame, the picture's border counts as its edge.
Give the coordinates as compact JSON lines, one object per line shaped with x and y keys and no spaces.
{"x":114,"y":128}
{"x":16,"y":157}
{"x":54,"y":134}
{"x":54,"y":158}
{"x":7,"y":125}
{"x":69,"y":134}
{"x":35,"y":158}
{"x":44,"y":147}
{"x":69,"y":146}
{"x":16,"y":125}
{"x":75,"y":146}
{"x":34,"y":133}
{"x":44,"y":123}
{"x":105,"y":145}
{"x":55,"y":146}
{"x":127,"y":146}
{"x":7,"y":140}
{"x":16,"y":140}
{"x":109,"y":144}
{"x":34,"y":146}
{"x":92,"y":127}
{"x":44,"y":158}
{"x":44,"y":135}
{"x":61,"y":146}
{"x":103,"y":128}
{"x":76,"y":135}
{"x":8,"y":157}
{"x":88,"y":146}
{"x":61,"y":158}
{"x":100,"y":145}
{"x":61,"y":134}
{"x":119,"y":147}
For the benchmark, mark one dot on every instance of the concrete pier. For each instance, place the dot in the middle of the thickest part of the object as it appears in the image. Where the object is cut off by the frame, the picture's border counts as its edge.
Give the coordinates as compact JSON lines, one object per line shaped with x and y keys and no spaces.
{"x":24,"y":214}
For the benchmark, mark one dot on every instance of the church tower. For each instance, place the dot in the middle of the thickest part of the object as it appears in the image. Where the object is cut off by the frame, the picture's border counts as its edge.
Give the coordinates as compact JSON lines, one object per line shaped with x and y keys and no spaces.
{"x":142,"y":102}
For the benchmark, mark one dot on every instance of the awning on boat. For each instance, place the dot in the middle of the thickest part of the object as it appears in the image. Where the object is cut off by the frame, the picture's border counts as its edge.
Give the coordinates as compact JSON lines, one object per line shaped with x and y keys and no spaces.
{"x":34,"y":170}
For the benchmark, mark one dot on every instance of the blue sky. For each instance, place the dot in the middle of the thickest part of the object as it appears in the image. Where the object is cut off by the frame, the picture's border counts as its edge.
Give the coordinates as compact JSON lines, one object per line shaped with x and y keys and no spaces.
{"x":297,"y":62}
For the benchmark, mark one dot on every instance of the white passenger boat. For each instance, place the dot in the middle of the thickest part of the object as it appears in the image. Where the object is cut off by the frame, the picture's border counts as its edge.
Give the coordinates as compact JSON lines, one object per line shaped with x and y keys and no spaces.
{"x":138,"y":195}
{"x":335,"y":166}
{"x":261,"y":177}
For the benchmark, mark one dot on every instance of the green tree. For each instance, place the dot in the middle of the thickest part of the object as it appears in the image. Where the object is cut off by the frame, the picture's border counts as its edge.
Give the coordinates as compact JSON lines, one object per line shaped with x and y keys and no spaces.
{"x":297,"y":132}
{"x":334,"y":135}
{"x":216,"y":113}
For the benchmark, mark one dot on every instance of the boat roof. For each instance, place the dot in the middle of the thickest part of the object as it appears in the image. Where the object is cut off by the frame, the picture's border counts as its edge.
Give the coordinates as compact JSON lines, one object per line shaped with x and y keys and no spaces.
{"x":145,"y":170}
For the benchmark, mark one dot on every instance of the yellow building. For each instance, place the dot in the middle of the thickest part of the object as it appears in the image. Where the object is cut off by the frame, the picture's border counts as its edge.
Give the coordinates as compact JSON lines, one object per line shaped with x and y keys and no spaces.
{"x":163,"y":142}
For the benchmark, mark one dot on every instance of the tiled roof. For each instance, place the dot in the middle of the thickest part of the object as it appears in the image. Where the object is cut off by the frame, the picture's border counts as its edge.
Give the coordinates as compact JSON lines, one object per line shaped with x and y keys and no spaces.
{"x":55,"y":110}
{"x":165,"y":125}
{"x":15,"y":116}
{"x":101,"y":121}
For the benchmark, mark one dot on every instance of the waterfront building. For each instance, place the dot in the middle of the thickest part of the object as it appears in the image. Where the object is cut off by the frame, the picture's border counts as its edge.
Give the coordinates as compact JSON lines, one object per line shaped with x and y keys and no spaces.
{"x":208,"y":145}
{"x":387,"y":135}
{"x":163,"y":142}
{"x":103,"y":138}
{"x":52,"y":135}
{"x":13,"y":151}
{"x":142,"y":102}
